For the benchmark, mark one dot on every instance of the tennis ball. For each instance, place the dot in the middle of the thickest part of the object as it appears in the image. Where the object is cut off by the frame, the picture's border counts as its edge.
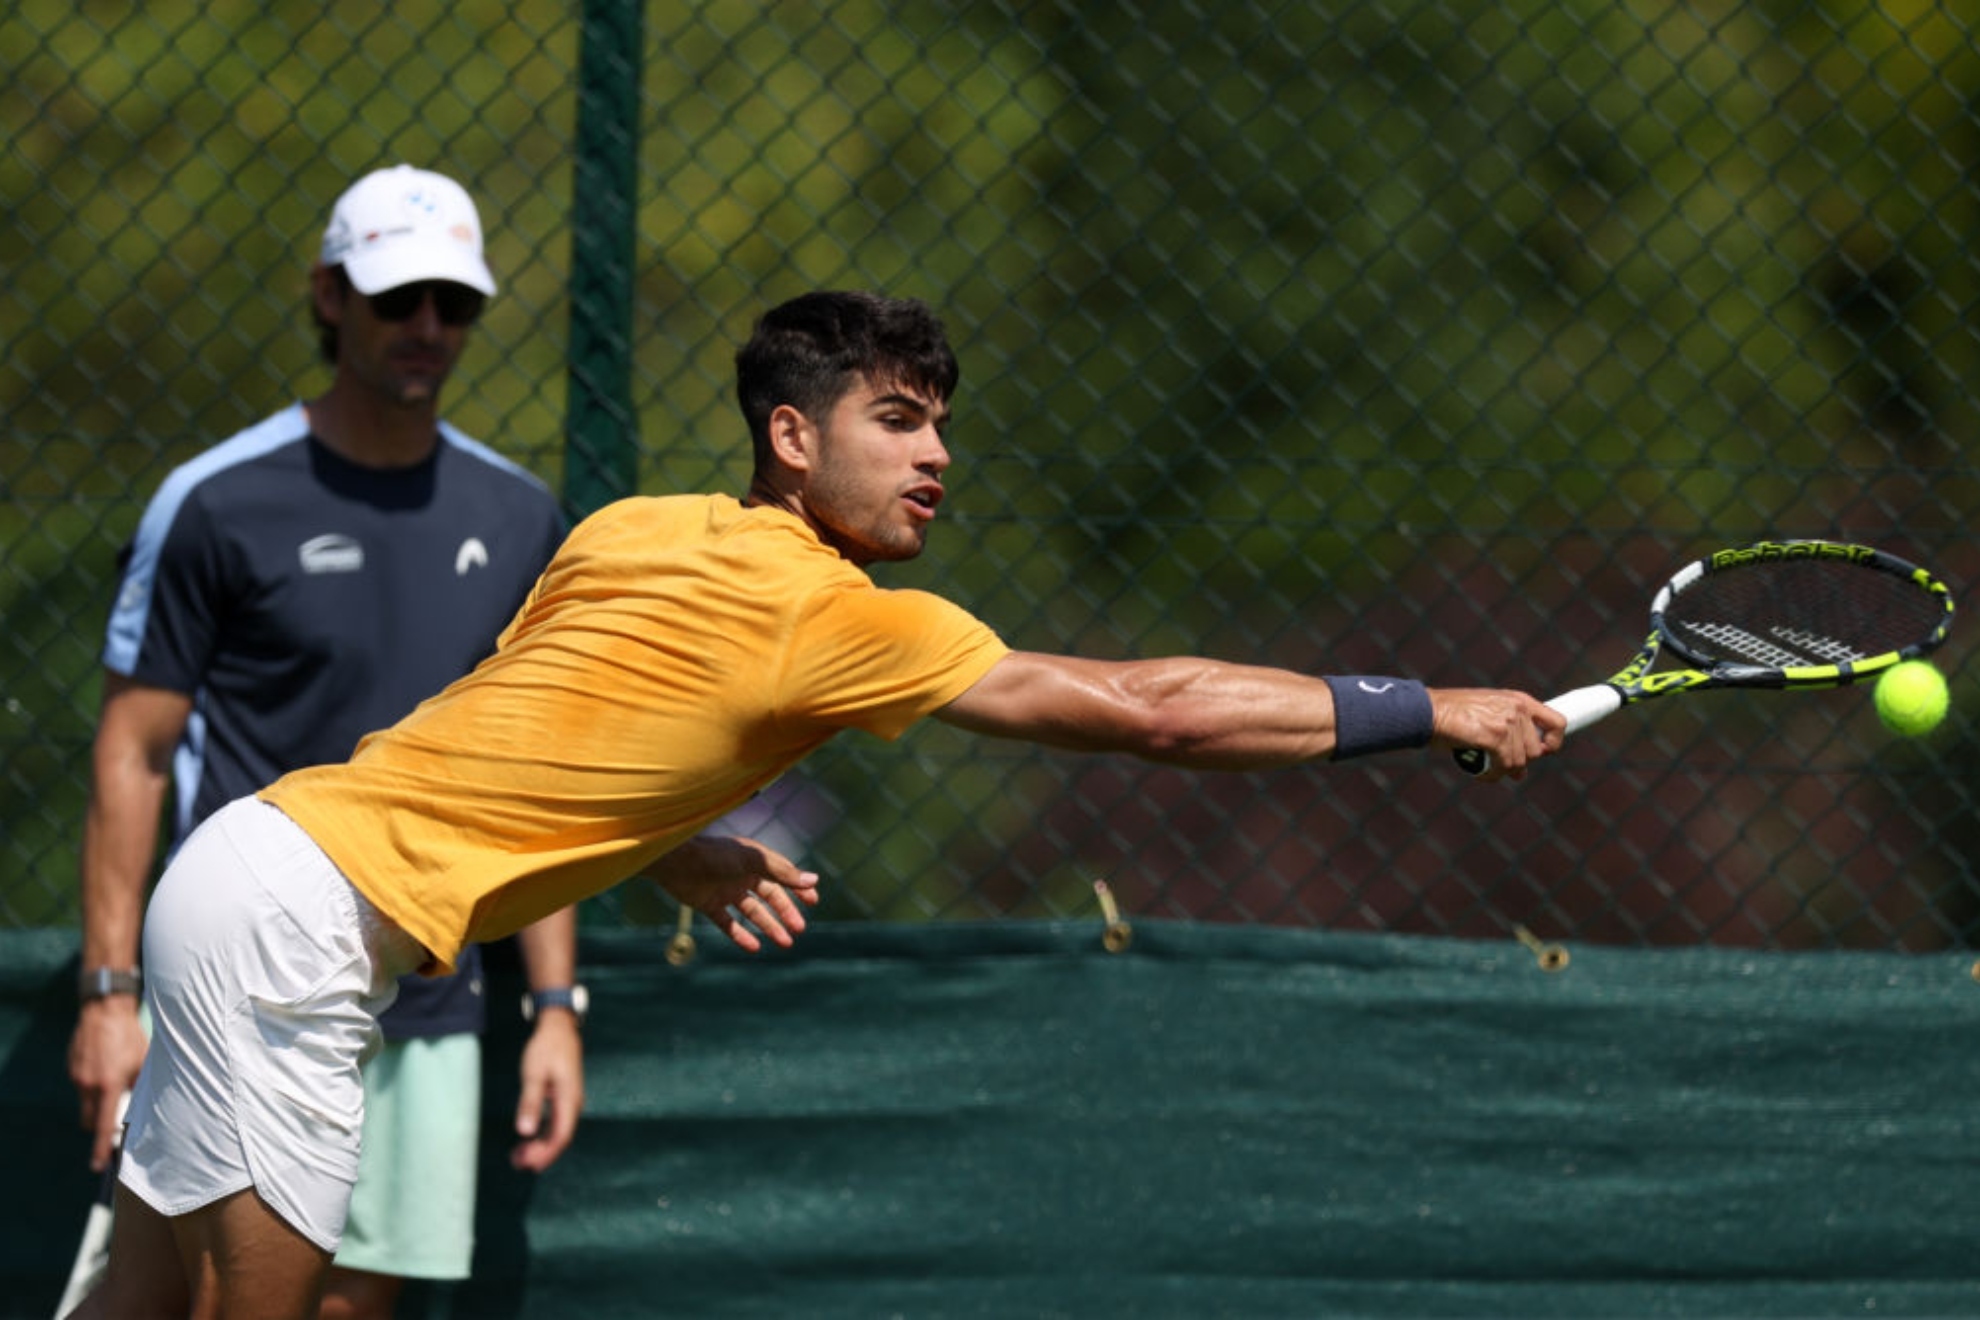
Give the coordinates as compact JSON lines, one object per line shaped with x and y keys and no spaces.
{"x":1911,"y":698}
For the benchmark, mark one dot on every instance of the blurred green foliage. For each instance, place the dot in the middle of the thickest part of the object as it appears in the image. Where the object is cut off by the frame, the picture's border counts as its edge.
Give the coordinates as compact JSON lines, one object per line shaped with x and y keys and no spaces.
{"x":1269,"y":314}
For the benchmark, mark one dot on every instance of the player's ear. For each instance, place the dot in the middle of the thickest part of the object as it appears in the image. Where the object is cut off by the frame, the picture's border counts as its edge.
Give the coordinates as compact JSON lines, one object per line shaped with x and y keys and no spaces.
{"x":793,"y":439}
{"x":328,"y":291}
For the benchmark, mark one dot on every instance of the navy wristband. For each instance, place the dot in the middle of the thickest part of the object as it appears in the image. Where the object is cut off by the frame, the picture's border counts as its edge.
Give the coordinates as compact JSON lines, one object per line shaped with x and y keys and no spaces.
{"x":1376,"y":713}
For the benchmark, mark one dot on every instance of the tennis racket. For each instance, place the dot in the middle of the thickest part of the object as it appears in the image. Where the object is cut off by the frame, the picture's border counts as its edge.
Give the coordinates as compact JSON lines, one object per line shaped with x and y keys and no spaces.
{"x":93,"y":1252}
{"x":1775,"y":614}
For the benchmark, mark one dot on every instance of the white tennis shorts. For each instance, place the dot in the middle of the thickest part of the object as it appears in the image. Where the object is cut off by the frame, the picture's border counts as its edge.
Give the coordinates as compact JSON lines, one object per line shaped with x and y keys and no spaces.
{"x":265,"y":972}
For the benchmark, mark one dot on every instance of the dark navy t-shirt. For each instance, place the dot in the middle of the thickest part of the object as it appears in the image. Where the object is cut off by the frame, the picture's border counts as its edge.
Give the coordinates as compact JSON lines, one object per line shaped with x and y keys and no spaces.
{"x":304,"y":601}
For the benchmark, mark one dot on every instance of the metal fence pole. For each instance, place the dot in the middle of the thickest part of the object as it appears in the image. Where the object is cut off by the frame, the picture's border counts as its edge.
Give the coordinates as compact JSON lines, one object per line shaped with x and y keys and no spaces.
{"x":601,"y":439}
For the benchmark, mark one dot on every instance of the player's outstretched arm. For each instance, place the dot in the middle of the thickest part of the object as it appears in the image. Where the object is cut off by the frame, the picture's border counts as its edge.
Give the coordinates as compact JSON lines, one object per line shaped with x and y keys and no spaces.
{"x":1212,"y":715}
{"x":746,"y":888}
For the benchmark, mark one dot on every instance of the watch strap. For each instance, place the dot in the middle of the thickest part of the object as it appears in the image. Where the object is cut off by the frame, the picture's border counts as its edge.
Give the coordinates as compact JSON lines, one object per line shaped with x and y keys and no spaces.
{"x":572,"y":998}
{"x":102,"y":982}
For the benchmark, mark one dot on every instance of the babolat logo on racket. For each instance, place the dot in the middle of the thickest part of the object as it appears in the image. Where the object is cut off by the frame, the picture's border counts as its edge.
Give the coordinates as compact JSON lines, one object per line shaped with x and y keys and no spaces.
{"x":1761,"y":550}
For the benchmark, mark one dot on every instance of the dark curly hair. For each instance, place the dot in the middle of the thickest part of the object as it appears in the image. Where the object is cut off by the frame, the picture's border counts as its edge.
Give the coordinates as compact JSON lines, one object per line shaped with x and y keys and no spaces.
{"x":810,"y":351}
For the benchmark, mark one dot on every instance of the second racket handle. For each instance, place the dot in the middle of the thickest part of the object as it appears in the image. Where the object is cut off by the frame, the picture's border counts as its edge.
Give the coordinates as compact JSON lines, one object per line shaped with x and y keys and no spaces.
{"x":1583,"y":707}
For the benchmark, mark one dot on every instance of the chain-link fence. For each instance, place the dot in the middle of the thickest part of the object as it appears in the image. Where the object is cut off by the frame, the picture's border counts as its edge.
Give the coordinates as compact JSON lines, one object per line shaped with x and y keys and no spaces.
{"x":1423,"y":336}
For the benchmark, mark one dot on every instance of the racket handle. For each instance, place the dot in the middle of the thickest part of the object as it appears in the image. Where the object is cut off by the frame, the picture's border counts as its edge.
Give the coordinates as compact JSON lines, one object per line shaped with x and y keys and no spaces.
{"x":1583,"y":707}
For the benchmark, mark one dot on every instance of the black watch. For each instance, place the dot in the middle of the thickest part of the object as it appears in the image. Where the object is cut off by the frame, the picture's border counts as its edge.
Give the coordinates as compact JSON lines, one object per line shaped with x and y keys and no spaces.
{"x":573,"y":998}
{"x":102,"y":982}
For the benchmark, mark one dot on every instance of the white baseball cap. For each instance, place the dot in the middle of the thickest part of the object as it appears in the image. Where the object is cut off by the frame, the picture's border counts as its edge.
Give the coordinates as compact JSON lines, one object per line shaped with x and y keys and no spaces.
{"x":403,"y":225}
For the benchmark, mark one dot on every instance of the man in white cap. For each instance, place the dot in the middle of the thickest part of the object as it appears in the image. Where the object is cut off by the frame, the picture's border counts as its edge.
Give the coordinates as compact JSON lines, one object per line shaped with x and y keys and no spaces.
{"x":288,"y":591}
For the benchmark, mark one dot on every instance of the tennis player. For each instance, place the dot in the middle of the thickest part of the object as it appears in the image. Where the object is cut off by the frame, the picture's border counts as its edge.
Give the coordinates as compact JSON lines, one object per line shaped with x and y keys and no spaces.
{"x":677,"y":656}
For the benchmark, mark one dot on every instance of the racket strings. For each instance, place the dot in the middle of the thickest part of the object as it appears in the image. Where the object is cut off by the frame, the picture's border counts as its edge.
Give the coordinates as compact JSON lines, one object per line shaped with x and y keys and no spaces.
{"x":1798,"y":613}
{"x":1794,"y":648}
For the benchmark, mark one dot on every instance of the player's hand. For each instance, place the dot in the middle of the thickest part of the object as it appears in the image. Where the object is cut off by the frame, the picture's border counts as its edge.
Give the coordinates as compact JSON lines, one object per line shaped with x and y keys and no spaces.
{"x":105,"y":1054}
{"x":552,"y":1085}
{"x":744,"y":887}
{"x":1513,"y":727}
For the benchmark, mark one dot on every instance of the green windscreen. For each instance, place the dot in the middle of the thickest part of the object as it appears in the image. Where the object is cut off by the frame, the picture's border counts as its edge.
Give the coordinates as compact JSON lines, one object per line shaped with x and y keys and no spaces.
{"x":1007,"y":1120}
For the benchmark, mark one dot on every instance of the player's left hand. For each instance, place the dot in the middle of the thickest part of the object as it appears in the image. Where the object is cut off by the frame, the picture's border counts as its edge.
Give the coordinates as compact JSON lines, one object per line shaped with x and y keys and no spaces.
{"x":745,"y":888}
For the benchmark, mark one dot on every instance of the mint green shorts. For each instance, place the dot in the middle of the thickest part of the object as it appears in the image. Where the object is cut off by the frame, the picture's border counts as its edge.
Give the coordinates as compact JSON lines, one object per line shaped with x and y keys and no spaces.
{"x":412,"y":1211}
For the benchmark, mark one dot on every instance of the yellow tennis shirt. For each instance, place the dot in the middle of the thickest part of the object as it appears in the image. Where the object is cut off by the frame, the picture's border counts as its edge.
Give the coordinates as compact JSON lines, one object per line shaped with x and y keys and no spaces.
{"x":677,"y":656}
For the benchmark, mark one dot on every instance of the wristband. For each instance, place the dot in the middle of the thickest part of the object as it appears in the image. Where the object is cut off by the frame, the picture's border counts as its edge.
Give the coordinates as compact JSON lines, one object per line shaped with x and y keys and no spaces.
{"x":1376,"y":713}
{"x":102,"y":982}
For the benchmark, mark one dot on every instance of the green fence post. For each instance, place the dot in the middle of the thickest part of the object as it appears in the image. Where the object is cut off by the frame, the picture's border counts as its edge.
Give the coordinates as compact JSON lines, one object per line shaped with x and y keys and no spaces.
{"x":601,"y":443}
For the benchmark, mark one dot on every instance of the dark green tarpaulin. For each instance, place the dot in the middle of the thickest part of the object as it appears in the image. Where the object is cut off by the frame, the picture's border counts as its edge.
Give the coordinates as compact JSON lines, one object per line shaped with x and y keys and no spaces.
{"x":1007,"y":1120}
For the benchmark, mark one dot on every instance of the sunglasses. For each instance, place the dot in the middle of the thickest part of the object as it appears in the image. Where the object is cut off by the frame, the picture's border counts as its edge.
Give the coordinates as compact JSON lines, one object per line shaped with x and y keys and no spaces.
{"x":457,"y":304}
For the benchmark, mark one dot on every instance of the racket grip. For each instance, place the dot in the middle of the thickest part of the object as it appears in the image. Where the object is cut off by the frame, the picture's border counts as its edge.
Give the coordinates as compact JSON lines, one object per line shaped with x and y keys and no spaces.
{"x":1583,"y":707}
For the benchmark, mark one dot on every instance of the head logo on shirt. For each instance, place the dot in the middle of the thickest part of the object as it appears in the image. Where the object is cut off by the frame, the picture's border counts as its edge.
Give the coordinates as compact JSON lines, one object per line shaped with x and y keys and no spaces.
{"x":472,"y":554}
{"x":332,"y":552}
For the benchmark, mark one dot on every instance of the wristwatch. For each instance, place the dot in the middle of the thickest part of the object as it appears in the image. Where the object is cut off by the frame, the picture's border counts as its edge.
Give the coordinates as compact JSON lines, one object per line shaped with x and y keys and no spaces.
{"x":574,"y":998}
{"x":102,"y":982}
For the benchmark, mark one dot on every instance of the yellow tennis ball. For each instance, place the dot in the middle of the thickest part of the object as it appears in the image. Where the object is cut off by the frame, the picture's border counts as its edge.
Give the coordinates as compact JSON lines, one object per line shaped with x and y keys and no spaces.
{"x":1911,"y":698}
